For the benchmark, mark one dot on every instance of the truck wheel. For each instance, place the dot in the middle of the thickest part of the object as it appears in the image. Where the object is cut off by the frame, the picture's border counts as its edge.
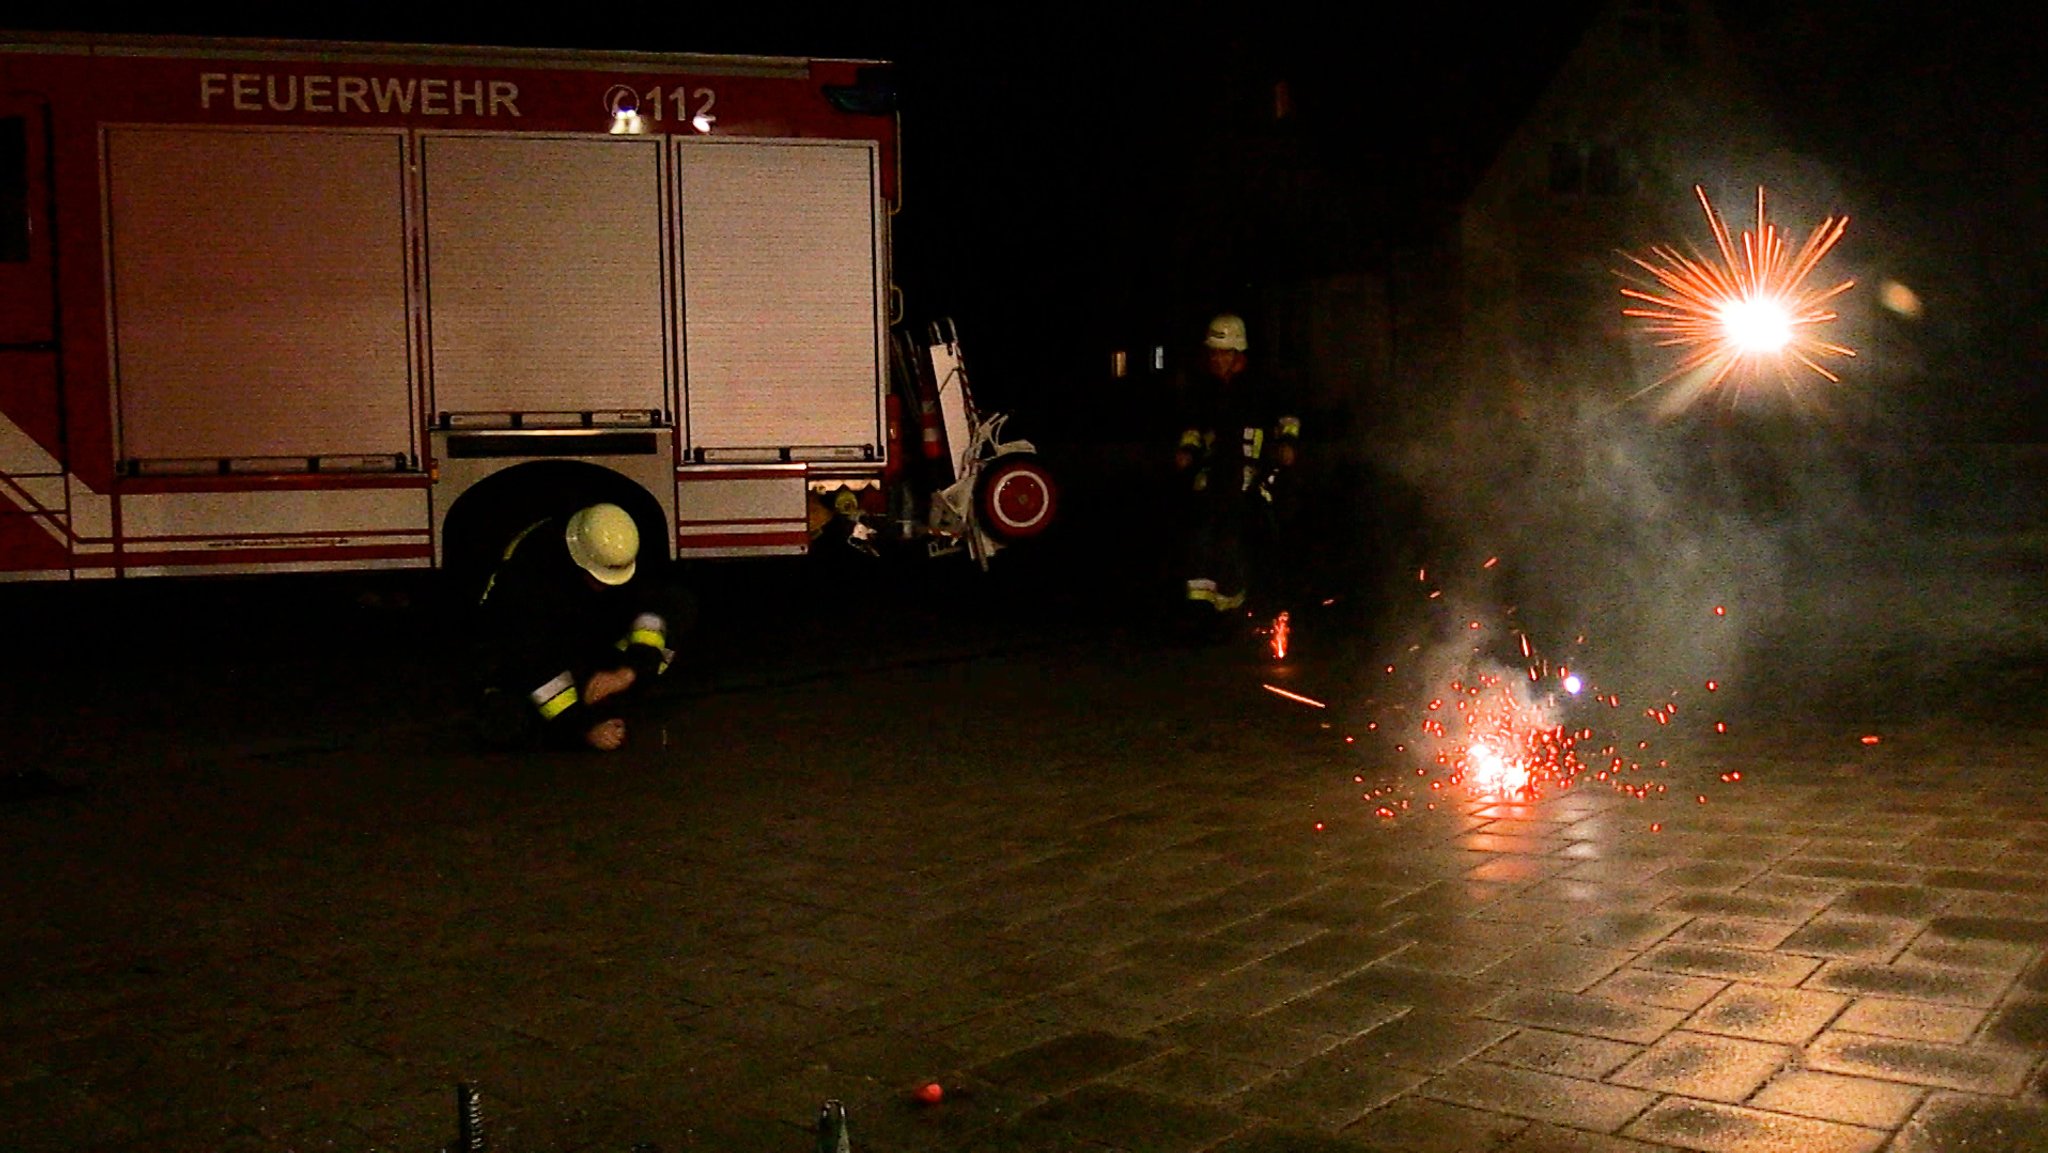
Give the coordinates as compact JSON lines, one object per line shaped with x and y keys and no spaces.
{"x":1015,"y":497}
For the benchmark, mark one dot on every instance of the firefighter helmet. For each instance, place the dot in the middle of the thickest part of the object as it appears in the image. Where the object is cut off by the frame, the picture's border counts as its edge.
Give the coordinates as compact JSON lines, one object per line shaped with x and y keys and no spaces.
{"x":1226,"y":331}
{"x":604,"y":542}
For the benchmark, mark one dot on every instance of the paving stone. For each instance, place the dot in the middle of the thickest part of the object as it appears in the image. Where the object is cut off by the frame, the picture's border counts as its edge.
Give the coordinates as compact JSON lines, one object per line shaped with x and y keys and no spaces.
{"x":1664,"y":990}
{"x":1748,"y":848}
{"x":1390,"y":980}
{"x":1587,"y":895}
{"x":1334,"y":953}
{"x":1059,"y":1064}
{"x":1552,"y":966}
{"x":997,"y":1033}
{"x":1718,"y":1128}
{"x":1274,"y":1138}
{"x":1991,"y":956}
{"x":1968,"y":1068}
{"x":1761,"y":1013}
{"x":1914,"y":982}
{"x":1259,"y":986}
{"x":1129,"y":1119}
{"x":1569,"y":1054}
{"x":1516,"y":870}
{"x":1910,"y":1020}
{"x":1256,"y":1040}
{"x":1356,"y":908}
{"x":1341,"y":1010}
{"x":1519,"y":910}
{"x":1890,"y":900}
{"x":2034,"y":861}
{"x":1803,"y":891}
{"x":1632,"y":929}
{"x":1710,"y":874}
{"x":1263,"y":936}
{"x":1491,"y":842}
{"x":1731,"y":964}
{"x":1213,"y":953}
{"x":1591,"y":866}
{"x":1436,"y":896}
{"x":1420,"y":1125}
{"x":2003,"y":906}
{"x":1445,"y":929}
{"x":2023,"y":930}
{"x":1832,"y":1097}
{"x":1952,"y":1121}
{"x":1425,"y":1040}
{"x":1983,"y":881}
{"x":1970,"y":829}
{"x":1850,"y":871}
{"x":1461,"y":959}
{"x":1865,"y":938}
{"x":1543,"y":1138}
{"x":1189,"y":1075}
{"x":1328,"y":1091}
{"x":1735,"y":932}
{"x":1790,"y":910}
{"x":1703,"y":1065}
{"x":1840,"y":849}
{"x":1094,"y":1006}
{"x":1937,"y":851}
{"x":1539,"y":1096}
{"x":2023,"y":1022}
{"x":1575,"y":1013}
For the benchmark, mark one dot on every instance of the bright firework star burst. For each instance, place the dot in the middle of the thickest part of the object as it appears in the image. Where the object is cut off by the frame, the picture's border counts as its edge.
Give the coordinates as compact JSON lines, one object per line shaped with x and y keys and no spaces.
{"x":1752,"y":306}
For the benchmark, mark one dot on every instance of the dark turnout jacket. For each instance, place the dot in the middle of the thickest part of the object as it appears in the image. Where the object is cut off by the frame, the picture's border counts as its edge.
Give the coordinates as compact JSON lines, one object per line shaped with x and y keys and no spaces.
{"x":545,"y":626}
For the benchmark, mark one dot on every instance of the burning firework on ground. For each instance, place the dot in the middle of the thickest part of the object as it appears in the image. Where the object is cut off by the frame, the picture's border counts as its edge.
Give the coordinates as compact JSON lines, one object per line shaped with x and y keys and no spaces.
{"x":1752,"y":308}
{"x":1490,"y":729}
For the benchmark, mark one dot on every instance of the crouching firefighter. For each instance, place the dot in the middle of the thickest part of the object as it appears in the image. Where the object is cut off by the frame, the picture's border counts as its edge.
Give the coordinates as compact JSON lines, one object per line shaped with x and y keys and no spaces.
{"x":570,"y":627}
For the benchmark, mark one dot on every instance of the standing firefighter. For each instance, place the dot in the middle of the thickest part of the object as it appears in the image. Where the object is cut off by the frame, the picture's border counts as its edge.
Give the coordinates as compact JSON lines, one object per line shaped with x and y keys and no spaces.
{"x":569,"y":623}
{"x":1235,"y":461}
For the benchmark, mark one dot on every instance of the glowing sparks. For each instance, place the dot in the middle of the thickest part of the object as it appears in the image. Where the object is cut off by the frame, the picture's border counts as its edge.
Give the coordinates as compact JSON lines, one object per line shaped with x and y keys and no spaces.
{"x":1311,"y":702}
{"x":1281,"y":629}
{"x":1754,"y":305}
{"x":1494,"y":731}
{"x":1495,"y":773}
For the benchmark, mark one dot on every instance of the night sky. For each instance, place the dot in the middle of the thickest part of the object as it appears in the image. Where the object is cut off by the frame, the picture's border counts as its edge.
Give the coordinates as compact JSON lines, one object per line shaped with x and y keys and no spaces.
{"x":1047,"y":149}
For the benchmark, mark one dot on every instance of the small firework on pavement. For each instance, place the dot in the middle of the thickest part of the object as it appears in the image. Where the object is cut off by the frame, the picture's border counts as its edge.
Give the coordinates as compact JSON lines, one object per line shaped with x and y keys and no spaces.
{"x":1488,"y":731}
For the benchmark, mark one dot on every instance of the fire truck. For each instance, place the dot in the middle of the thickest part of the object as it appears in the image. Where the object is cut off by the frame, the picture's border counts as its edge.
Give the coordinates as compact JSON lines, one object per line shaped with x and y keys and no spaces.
{"x":272,"y":306}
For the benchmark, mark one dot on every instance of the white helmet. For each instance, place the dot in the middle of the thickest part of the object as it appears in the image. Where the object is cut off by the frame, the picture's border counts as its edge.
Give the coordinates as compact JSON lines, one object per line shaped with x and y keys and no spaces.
{"x":604,"y":542}
{"x":1226,"y":331}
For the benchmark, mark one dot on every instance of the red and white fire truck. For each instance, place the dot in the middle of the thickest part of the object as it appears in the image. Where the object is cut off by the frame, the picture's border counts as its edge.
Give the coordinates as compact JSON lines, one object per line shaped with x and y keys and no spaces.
{"x":280,"y":306}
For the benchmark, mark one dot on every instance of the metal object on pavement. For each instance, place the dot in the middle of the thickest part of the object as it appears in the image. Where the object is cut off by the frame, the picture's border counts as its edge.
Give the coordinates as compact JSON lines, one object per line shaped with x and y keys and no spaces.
{"x":832,"y":1132}
{"x":469,"y":1120}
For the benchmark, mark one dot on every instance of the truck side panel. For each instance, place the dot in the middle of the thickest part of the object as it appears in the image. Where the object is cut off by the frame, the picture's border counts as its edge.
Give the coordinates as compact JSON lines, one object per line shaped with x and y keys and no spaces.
{"x":781,"y":300}
{"x":544,"y":263}
{"x":259,"y":294}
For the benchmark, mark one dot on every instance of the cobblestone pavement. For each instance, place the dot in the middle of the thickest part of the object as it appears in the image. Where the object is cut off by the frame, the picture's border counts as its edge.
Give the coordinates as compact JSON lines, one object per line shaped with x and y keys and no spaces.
{"x":1108,"y":896}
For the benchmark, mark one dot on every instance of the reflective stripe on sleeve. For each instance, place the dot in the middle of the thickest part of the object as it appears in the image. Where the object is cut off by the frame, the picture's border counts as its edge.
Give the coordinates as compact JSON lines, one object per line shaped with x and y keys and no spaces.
{"x":648,"y":629}
{"x":555,"y":696}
